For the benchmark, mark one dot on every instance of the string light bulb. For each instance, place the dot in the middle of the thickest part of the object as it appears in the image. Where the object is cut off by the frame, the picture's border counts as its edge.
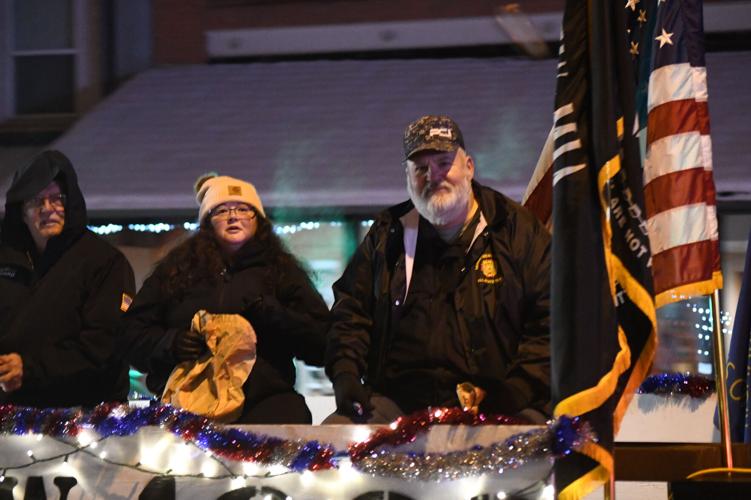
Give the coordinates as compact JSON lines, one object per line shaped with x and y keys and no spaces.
{"x":306,"y":478}
{"x":548,"y":493}
{"x":250,"y":468}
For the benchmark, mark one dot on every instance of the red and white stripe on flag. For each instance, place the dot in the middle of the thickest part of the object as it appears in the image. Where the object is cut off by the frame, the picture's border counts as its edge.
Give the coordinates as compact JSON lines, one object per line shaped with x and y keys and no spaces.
{"x":679,"y":190}
{"x":539,"y":195}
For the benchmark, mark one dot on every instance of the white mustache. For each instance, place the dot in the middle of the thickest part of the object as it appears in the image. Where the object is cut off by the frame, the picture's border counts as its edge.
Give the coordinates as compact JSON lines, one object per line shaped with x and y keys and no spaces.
{"x":429,"y":189}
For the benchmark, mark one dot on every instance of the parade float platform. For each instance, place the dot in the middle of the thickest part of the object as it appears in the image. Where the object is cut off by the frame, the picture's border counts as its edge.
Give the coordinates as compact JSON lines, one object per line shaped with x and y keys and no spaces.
{"x":662,"y":439}
{"x":154,"y":449}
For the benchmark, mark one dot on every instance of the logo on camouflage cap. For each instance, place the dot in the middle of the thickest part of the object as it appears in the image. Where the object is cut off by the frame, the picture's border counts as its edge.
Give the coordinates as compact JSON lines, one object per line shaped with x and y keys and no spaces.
{"x":439,"y":133}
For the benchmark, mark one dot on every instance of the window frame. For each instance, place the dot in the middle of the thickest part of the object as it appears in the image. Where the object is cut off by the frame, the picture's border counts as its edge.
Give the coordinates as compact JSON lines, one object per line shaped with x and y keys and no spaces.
{"x":9,"y":55}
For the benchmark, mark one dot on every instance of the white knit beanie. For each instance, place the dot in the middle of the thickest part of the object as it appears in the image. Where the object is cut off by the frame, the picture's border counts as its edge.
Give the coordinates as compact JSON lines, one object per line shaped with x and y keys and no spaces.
{"x":212,"y":190}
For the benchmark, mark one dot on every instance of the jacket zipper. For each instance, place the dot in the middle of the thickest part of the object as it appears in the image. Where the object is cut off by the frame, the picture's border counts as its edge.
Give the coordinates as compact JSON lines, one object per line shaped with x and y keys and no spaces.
{"x":223,"y":279}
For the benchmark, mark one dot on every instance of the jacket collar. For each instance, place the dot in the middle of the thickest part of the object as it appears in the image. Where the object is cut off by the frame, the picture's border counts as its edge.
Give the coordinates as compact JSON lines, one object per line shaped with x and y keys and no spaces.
{"x":492,"y":204}
{"x":250,"y":253}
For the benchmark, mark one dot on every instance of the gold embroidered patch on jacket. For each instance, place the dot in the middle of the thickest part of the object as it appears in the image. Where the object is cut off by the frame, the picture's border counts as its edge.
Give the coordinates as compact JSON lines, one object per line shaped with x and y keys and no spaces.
{"x":488,"y":269}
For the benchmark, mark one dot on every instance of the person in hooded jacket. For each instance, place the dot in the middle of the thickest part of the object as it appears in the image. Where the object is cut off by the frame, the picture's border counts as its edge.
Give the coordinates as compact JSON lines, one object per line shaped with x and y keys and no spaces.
{"x":62,"y":292}
{"x":233,"y":264}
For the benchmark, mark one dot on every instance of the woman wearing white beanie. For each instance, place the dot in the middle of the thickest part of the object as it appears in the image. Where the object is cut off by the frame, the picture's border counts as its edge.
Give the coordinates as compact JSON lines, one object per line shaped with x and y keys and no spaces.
{"x":233,"y":264}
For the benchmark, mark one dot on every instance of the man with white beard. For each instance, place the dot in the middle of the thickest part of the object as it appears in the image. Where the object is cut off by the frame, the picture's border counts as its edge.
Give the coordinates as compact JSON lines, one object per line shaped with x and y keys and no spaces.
{"x":446,"y":301}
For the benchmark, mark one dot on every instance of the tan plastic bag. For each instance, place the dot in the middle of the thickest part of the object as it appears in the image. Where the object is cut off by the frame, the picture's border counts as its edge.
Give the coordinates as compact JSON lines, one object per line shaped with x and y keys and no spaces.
{"x":212,"y":385}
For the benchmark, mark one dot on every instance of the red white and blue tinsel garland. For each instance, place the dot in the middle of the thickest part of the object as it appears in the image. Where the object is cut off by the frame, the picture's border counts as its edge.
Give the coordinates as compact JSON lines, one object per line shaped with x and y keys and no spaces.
{"x":113,"y":419}
{"x":372,"y":457}
{"x":671,"y":384}
{"x":377,"y":455}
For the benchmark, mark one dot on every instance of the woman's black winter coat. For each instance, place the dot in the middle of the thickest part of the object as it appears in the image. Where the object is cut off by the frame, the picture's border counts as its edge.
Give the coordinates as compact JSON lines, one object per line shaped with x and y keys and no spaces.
{"x":288,"y":315}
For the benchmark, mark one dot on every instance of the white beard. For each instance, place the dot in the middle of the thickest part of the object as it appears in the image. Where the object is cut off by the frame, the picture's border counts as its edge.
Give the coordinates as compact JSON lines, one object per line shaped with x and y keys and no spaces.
{"x":443,"y":207}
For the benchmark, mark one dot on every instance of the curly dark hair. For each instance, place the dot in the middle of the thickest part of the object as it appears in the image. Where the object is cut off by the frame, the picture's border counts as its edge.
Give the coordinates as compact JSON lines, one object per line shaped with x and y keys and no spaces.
{"x":199,"y":258}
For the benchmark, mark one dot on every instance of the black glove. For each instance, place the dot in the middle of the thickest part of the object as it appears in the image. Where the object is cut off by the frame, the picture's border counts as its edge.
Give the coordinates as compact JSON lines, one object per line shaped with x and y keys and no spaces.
{"x":265,"y":311}
{"x":188,"y":345}
{"x":352,"y":398}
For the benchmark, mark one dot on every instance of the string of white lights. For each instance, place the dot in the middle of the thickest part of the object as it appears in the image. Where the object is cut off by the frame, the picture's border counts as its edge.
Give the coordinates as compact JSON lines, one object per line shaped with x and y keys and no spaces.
{"x":162,"y":227}
{"x":89,"y":448}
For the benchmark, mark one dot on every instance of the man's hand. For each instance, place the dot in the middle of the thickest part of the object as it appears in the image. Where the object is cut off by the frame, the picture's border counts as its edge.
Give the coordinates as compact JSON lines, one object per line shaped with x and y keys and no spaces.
{"x":352,"y":399}
{"x":188,"y":345}
{"x":11,"y":372}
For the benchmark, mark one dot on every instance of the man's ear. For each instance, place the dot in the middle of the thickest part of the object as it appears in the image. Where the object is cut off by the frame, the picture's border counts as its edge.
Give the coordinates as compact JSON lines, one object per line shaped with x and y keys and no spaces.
{"x":471,"y":167}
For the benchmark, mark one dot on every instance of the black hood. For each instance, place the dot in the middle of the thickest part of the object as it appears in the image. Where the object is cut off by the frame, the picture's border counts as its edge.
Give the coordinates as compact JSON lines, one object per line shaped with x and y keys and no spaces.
{"x":27,"y":182}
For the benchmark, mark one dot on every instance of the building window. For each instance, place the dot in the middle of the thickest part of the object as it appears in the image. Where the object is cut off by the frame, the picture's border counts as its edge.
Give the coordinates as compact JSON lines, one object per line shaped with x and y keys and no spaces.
{"x":43,"y":57}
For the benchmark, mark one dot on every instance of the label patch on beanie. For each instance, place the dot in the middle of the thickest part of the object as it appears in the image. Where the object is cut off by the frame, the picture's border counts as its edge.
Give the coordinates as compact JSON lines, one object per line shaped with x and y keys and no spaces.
{"x":125,"y":302}
{"x":234,"y":190}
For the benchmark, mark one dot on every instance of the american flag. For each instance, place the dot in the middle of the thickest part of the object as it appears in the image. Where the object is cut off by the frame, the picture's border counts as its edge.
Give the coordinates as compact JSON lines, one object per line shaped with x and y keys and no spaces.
{"x":668,"y":47}
{"x":666,"y":41}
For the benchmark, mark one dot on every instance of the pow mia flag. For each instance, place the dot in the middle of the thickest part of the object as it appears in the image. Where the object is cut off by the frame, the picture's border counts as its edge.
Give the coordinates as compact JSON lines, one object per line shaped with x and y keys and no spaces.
{"x":603,"y":314}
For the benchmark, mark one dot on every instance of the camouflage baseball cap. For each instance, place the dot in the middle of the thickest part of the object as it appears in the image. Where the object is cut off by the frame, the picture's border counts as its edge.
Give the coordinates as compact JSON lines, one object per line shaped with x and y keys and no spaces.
{"x":432,"y":132}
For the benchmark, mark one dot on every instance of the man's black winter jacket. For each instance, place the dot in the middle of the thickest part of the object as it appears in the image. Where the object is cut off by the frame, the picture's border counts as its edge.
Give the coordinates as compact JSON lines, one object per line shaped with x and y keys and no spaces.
{"x":501,"y":303}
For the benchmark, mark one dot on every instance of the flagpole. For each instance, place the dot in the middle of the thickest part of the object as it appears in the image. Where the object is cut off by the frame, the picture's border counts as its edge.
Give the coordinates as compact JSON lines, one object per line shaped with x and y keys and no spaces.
{"x":609,"y":488}
{"x":720,"y":382}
